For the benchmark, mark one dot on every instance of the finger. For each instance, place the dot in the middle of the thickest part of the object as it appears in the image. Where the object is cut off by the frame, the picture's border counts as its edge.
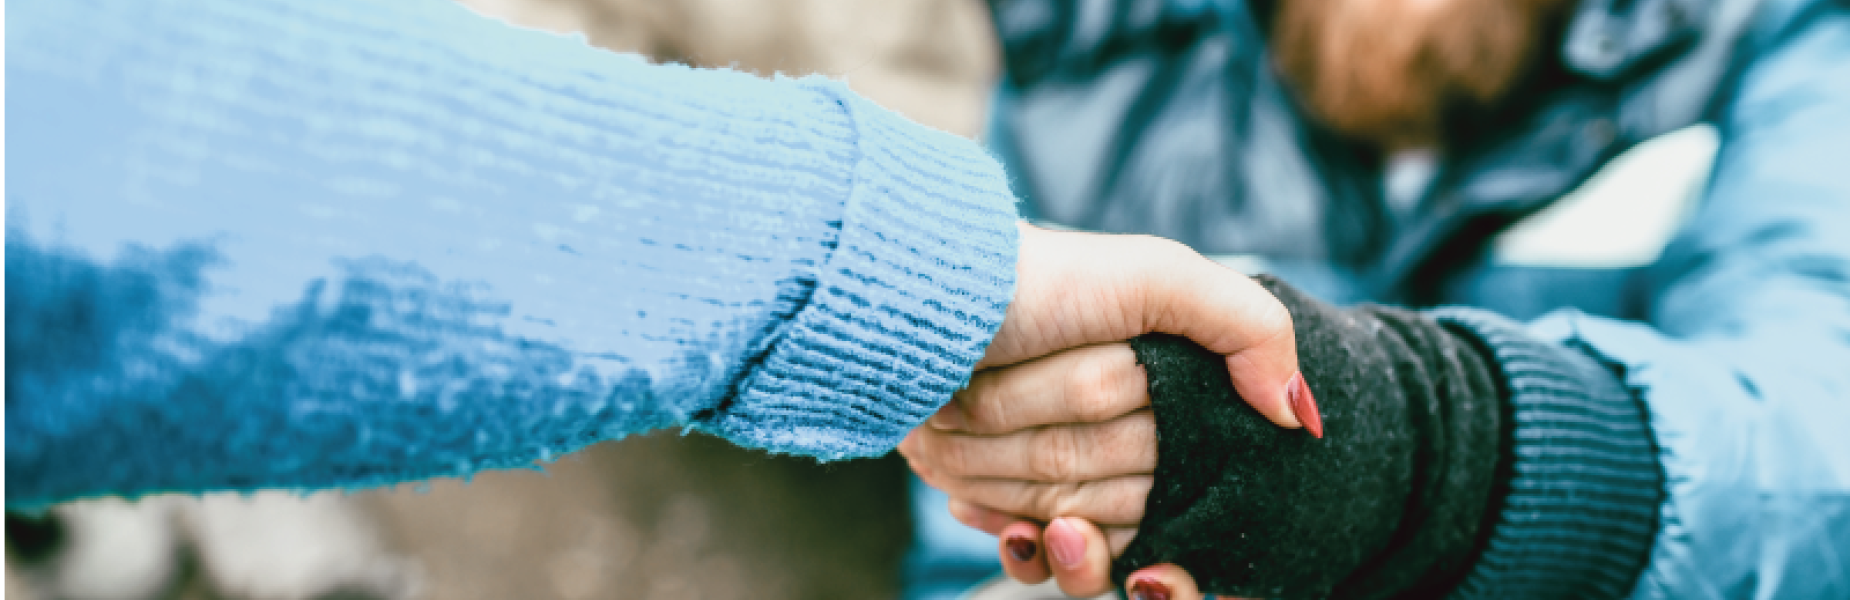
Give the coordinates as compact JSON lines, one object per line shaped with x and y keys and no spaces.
{"x":1161,"y":582}
{"x":992,"y":522}
{"x":1115,"y":501}
{"x":1232,"y":315}
{"x":1074,"y":289}
{"x":1288,"y":402}
{"x":1022,"y":557}
{"x":910,"y":448}
{"x":1079,"y":556}
{"x":980,"y":518}
{"x":1123,"y":446}
{"x":1082,"y":385}
{"x":1119,"y":538}
{"x":1238,"y":318}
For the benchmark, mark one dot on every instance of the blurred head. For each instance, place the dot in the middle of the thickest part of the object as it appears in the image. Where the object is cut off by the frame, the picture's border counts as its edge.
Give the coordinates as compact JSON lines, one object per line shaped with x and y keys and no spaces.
{"x":1391,"y":71}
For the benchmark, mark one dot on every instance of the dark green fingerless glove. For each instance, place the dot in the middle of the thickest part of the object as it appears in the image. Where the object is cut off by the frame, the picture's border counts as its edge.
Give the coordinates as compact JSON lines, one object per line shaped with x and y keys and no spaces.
{"x":1394,"y":500}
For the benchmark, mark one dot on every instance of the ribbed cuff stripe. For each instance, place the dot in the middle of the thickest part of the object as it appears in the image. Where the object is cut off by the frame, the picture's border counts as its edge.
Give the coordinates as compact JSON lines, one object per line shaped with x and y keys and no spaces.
{"x":904,"y":307}
{"x":1583,"y":500}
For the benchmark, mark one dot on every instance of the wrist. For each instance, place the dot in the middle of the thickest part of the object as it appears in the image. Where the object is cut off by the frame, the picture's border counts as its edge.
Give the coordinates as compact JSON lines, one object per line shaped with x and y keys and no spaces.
{"x":1392,"y":499}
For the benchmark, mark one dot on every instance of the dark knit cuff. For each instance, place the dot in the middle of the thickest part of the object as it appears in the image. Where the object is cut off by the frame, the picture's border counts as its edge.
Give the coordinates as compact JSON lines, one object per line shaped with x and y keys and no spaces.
{"x":916,"y":287}
{"x":1584,"y":487}
{"x":1391,"y":502}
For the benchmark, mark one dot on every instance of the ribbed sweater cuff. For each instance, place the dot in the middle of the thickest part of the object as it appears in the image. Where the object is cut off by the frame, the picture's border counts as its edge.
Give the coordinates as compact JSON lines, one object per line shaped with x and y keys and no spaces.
{"x":903,"y":309}
{"x":1581,"y":507}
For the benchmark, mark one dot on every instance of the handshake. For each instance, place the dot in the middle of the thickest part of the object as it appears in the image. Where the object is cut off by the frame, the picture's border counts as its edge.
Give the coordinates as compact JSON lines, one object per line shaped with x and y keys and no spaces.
{"x":1053,"y":445}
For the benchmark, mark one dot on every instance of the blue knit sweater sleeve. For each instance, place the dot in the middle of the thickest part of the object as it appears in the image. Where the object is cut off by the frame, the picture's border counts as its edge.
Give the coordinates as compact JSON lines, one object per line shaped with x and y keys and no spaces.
{"x":301,"y":245}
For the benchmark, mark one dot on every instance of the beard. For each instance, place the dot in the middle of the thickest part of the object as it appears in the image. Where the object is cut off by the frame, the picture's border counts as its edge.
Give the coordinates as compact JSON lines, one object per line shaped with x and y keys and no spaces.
{"x":1394,"y":72}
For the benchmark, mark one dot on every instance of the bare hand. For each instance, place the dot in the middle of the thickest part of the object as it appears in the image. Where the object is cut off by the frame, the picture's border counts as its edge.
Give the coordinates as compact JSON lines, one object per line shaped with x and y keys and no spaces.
{"x":1057,"y":429}
{"x":1075,"y":289}
{"x":1065,"y":435}
{"x":1069,"y":434}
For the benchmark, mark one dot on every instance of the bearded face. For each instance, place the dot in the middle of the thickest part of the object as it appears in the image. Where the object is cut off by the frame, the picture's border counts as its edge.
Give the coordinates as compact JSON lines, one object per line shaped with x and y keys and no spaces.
{"x":1391,"y":71}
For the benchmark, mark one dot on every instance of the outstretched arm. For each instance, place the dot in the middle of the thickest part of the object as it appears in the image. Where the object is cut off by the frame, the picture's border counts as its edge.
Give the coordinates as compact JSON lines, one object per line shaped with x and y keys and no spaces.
{"x":263,"y":244}
{"x":302,"y":245}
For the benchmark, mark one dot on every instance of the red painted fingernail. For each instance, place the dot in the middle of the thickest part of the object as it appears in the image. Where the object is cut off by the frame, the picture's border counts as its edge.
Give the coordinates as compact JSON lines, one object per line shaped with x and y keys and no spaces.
{"x":1149,"y":589}
{"x":1304,"y":405}
{"x":1021,"y":548}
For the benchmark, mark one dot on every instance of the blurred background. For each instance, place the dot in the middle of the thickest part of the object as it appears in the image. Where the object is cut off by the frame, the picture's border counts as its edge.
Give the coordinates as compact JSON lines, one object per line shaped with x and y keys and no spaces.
{"x":666,"y":515}
{"x":619,"y":520}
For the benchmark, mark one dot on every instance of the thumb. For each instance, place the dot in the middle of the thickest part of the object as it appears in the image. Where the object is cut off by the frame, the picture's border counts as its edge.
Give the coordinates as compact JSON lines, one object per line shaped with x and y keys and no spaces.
{"x":1074,"y":289}
{"x":1230,"y":314}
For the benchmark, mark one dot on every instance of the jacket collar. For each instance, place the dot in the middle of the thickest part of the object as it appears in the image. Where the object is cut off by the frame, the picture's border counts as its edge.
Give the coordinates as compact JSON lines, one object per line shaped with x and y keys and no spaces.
{"x":1607,"y":39}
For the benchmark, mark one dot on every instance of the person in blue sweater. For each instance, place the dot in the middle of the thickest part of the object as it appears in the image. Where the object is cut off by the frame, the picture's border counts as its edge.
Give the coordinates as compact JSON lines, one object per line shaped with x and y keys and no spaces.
{"x":1672,"y":403}
{"x":278,"y":245}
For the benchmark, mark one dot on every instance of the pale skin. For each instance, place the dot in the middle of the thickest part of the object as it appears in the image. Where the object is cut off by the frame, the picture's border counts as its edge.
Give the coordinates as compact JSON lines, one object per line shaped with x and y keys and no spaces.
{"x":1055,"y":427}
{"x":1067,"y":441}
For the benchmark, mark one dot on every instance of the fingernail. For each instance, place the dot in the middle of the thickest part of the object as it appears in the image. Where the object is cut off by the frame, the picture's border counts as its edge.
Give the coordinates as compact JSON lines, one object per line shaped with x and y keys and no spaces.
{"x":950,"y":417}
{"x":1149,"y":589}
{"x":1021,"y":548}
{"x":1304,"y":405}
{"x":1066,"y":549}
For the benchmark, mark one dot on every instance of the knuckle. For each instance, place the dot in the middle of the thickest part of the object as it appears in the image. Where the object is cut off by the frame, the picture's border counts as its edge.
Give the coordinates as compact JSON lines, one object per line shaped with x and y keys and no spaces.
{"x":1025,"y":500}
{"x":1056,"y":457}
{"x":1098,"y":388}
{"x":1272,"y":317}
{"x":993,"y":417}
{"x":952,"y":457}
{"x":1111,"y":502}
{"x":1068,"y":500}
{"x":985,"y":404}
{"x":1053,"y":500}
{"x":1118,"y":438}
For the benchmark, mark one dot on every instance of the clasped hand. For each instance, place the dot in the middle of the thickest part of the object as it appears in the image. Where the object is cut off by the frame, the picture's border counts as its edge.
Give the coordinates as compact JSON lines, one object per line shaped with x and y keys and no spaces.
{"x":1052,"y":446}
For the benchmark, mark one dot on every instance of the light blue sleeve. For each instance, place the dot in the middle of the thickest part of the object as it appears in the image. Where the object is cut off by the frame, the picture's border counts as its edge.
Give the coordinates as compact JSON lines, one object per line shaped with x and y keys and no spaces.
{"x":1745,"y":364}
{"x":275,"y":244}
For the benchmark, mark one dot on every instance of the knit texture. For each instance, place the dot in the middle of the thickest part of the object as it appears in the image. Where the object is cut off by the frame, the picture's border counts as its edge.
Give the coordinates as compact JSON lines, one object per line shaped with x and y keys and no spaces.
{"x":1390,"y":502}
{"x":271,"y":244}
{"x":1581,"y":510}
{"x":1461,"y":457}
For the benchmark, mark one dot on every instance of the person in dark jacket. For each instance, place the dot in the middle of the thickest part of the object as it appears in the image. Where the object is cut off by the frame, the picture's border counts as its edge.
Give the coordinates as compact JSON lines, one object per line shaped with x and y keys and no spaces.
{"x":1666,"y":379}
